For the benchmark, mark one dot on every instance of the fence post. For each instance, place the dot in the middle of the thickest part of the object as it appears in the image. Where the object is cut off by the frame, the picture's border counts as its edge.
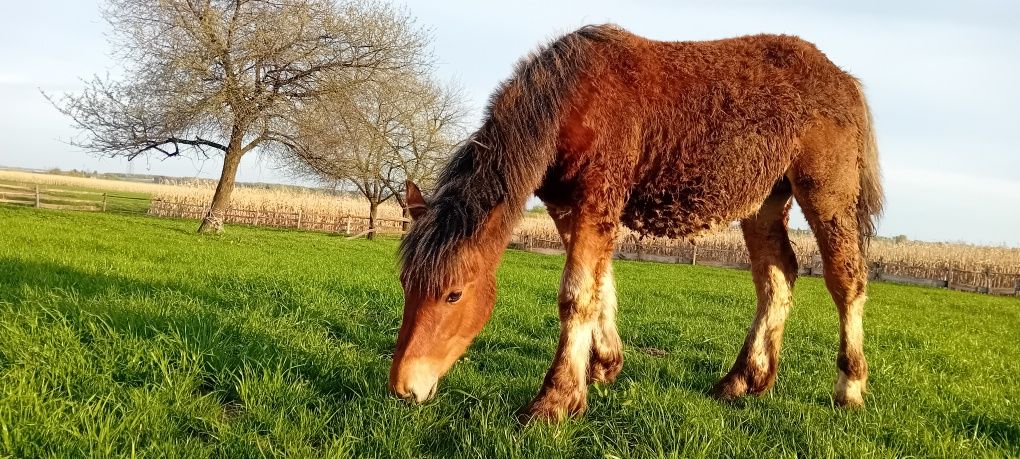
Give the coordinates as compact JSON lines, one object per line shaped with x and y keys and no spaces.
{"x":347,"y":225}
{"x":37,"y":196}
{"x":104,"y":202}
{"x":694,"y":256}
{"x":299,"y":219}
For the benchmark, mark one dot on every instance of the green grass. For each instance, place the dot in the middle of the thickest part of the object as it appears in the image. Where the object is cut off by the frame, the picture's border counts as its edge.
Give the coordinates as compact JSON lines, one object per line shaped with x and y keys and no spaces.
{"x":124,"y":336}
{"x":116,"y":201}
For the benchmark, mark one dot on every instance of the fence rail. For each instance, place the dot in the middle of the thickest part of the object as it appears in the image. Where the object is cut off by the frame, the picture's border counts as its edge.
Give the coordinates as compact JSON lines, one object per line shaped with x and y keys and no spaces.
{"x":55,"y":198}
{"x":951,"y":277}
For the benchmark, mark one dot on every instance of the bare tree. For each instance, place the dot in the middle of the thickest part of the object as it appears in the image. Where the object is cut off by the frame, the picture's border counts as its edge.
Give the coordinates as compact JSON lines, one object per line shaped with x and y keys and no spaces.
{"x":429,"y":126}
{"x":403,"y":129}
{"x":230,"y":76}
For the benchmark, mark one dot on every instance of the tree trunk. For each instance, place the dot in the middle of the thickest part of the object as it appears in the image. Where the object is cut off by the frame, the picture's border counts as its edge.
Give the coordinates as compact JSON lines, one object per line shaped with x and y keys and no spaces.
{"x":404,"y":212}
{"x":373,"y":211}
{"x":213,"y":221}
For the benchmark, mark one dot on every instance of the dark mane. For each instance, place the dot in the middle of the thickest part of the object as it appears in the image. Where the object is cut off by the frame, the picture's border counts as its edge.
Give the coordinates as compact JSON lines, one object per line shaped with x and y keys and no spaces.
{"x":501,"y":163}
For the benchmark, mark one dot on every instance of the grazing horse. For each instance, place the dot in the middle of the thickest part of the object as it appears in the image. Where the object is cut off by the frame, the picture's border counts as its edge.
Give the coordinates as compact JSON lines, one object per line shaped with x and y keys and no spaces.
{"x":670,"y":139}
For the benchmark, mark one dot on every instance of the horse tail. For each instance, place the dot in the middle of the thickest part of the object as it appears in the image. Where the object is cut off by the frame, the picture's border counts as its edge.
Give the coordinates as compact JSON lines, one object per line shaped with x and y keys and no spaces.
{"x":870,"y":199}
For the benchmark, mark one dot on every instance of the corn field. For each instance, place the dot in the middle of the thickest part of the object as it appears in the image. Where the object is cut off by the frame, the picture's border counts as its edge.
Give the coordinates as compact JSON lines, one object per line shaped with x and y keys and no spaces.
{"x":279,"y":201}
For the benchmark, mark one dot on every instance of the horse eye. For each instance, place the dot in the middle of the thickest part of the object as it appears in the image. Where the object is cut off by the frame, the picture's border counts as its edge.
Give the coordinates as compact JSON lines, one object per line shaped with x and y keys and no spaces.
{"x":453,"y":297}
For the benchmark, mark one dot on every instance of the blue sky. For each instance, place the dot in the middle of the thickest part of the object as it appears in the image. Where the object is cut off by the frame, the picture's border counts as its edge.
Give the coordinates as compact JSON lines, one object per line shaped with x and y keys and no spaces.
{"x":941,"y":78}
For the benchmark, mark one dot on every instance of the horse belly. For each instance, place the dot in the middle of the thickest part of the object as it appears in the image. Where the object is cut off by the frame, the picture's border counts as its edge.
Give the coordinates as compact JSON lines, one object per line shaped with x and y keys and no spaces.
{"x":686,"y":198}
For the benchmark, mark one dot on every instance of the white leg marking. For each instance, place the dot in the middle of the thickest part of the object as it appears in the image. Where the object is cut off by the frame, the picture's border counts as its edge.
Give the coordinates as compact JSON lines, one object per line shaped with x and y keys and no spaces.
{"x":579,"y":341}
{"x":607,"y":339}
{"x":852,"y":390}
{"x":771,"y":315}
{"x":854,"y":325}
{"x":578,"y":325}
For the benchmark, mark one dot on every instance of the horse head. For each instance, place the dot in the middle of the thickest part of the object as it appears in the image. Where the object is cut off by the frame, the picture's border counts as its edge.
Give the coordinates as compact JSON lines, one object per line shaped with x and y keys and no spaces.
{"x":445,"y":306}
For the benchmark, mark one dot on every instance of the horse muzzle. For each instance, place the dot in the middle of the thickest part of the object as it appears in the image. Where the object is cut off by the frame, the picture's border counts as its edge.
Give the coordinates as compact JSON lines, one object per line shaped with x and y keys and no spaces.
{"x":414,"y":382}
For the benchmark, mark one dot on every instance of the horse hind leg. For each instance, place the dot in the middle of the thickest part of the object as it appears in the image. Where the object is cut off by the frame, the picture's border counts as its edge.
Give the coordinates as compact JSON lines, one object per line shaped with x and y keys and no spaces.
{"x":826,"y":187}
{"x":774,"y":270}
{"x":606,"y":359}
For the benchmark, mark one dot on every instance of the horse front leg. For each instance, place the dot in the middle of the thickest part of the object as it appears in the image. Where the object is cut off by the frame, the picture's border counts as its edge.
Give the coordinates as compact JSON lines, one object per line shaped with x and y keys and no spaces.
{"x":606,"y":352}
{"x":583,"y":334}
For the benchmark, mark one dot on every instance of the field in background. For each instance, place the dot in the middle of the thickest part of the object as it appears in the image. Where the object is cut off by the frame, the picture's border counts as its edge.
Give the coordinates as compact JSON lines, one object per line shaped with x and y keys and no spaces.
{"x":969,"y":266}
{"x":937,"y":255}
{"x":958,"y":266}
{"x":281,"y":199}
{"x":124,"y":336}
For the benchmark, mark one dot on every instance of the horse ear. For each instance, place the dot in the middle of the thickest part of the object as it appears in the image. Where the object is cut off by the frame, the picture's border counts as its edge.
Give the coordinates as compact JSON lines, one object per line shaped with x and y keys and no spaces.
{"x":416,"y":204}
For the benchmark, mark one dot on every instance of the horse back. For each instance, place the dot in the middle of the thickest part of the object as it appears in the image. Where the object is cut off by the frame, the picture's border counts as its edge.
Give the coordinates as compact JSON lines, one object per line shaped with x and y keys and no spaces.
{"x":695,"y":134}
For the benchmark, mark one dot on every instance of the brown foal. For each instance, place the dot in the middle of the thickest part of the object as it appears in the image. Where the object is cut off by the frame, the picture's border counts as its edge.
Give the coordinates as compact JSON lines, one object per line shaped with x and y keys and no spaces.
{"x":670,"y":139}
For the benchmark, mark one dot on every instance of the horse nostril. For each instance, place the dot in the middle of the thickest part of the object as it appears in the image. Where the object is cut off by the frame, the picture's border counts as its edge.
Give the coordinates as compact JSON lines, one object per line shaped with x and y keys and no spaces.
{"x":405,"y":393}
{"x":413,"y":396}
{"x":401,"y":391}
{"x":414,"y":383}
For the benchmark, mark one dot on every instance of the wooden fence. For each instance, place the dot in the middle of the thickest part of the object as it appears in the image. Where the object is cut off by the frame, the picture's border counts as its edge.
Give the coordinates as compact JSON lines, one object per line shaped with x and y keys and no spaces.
{"x":53,"y":198}
{"x":982,"y":281}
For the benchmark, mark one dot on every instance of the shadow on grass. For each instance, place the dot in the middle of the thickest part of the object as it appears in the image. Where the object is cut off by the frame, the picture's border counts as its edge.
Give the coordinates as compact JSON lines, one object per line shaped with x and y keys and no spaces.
{"x":209,"y":322}
{"x":971,"y":422}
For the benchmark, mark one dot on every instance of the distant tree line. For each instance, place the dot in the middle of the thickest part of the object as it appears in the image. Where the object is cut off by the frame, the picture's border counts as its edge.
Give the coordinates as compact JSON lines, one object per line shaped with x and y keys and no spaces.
{"x":339,"y":92}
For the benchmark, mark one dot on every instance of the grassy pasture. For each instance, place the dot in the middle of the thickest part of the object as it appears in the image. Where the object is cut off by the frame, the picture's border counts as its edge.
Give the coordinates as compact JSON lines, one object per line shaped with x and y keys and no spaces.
{"x":133,"y":336}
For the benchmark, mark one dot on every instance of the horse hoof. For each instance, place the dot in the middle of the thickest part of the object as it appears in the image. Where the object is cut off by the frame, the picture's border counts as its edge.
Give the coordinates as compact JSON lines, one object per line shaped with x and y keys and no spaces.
{"x":849,"y":394}
{"x":605,"y":371}
{"x":730,"y":388}
{"x":554,"y":406}
{"x":849,"y":402}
